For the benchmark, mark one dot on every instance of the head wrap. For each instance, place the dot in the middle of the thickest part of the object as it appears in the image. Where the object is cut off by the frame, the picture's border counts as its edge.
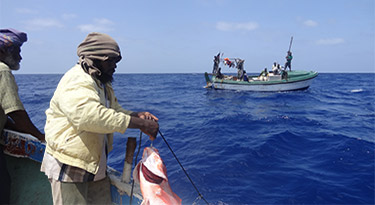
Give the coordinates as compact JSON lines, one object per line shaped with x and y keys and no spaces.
{"x":97,"y":46}
{"x":11,"y":37}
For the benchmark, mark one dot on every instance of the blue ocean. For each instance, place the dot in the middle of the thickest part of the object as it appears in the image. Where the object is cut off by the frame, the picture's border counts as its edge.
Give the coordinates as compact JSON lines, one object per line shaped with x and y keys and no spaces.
{"x":314,"y":146}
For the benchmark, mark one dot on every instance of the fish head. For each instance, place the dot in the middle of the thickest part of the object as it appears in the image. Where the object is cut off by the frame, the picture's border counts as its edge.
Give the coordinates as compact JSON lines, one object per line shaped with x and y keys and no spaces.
{"x":151,"y":174}
{"x":153,"y":167}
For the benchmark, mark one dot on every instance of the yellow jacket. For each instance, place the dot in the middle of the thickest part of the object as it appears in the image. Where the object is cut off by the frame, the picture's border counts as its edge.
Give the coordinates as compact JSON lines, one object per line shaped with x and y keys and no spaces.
{"x":78,"y":120}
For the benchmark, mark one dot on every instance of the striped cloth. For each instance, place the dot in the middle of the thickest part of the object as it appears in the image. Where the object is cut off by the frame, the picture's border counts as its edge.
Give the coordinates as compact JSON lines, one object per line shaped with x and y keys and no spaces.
{"x":65,"y":173}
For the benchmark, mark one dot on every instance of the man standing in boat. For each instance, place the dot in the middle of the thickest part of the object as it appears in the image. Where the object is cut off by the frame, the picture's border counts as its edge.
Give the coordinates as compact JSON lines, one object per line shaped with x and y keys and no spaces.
{"x":215,"y":69}
{"x":82,"y":117}
{"x":12,"y":112}
{"x":288,"y":63}
{"x":240,"y":69}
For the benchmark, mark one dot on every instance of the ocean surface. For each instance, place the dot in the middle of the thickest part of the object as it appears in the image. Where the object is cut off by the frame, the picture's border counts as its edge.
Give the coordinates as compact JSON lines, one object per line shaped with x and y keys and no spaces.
{"x":314,"y":146}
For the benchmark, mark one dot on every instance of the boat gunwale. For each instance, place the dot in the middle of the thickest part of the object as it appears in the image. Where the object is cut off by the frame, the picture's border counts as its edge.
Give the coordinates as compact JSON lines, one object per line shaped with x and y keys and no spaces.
{"x":257,"y":83}
{"x":303,"y":88}
{"x":26,"y":146}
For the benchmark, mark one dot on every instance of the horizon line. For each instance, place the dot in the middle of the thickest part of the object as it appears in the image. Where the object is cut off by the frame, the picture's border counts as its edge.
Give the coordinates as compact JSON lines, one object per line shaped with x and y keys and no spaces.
{"x":349,"y":72}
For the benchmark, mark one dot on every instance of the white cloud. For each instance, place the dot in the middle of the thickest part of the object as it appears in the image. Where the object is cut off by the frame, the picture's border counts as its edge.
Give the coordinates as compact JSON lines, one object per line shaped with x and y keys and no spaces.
{"x":310,"y":23}
{"x":230,"y":26}
{"x":99,"y":25}
{"x":330,"y":41}
{"x":69,"y":16}
{"x":39,"y":23}
{"x":26,"y":11}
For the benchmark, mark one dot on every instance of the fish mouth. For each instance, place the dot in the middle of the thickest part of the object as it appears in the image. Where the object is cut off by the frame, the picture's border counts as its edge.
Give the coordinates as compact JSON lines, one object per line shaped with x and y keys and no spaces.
{"x":151,"y":177}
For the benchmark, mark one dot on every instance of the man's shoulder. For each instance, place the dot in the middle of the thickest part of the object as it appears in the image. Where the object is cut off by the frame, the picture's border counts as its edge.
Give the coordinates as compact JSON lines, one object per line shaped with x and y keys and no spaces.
{"x":5,"y":72}
{"x":76,"y":71}
{"x":4,"y":67}
{"x":76,"y":75}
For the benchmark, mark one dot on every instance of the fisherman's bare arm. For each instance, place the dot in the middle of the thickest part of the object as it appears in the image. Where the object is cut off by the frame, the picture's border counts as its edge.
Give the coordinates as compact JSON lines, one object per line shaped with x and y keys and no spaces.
{"x":22,"y":123}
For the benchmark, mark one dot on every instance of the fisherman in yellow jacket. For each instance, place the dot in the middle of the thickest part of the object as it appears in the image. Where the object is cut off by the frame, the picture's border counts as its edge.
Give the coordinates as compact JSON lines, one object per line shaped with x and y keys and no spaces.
{"x":82,"y":117}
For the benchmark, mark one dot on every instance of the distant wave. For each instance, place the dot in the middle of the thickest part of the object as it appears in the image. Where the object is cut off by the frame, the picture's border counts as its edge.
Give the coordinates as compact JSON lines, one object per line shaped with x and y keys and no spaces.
{"x":356,"y":91}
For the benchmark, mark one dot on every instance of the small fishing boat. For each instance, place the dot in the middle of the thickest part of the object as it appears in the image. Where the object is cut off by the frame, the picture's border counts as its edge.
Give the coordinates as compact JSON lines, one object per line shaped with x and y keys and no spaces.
{"x":278,"y":79}
{"x":24,"y":154}
{"x":294,"y":80}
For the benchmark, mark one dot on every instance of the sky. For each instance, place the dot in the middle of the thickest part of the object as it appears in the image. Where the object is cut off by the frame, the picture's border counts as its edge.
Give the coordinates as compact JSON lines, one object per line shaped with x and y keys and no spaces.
{"x":175,"y":36}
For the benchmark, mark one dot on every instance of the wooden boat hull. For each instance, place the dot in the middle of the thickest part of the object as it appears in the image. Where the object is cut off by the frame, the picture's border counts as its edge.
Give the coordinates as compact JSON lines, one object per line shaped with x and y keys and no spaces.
{"x":30,"y":186}
{"x":297,"y":80}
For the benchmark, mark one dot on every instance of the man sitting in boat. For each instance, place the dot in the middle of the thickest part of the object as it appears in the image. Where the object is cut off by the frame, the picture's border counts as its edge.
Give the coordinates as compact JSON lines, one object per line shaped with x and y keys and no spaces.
{"x":219,"y":75}
{"x":12,"y":112}
{"x":11,"y":41}
{"x":284,"y":75}
{"x":263,"y":75}
{"x":276,"y":68}
{"x":245,"y":77}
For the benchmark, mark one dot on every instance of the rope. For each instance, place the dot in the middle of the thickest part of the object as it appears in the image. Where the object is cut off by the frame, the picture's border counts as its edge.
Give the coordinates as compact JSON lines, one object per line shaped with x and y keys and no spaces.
{"x":136,"y":159}
{"x":191,"y":181}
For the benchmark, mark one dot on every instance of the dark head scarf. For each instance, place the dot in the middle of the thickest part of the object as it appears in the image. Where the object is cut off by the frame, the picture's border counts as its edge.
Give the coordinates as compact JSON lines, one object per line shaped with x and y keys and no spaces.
{"x":97,"y":46}
{"x":11,"y":37}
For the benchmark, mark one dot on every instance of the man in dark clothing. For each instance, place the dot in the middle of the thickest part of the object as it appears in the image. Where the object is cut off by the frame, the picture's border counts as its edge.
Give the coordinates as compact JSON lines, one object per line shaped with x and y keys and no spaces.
{"x":216,"y":63}
{"x":289,"y":58}
{"x":219,"y":74}
{"x":240,"y":69}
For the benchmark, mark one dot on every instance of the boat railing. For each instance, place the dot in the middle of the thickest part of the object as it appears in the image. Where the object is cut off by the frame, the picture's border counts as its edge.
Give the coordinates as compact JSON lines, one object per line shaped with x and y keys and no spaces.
{"x":21,"y":145}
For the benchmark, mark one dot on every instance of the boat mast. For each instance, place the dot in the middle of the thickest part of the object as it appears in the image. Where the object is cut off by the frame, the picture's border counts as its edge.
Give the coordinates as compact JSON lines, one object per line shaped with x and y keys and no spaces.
{"x":290,"y":45}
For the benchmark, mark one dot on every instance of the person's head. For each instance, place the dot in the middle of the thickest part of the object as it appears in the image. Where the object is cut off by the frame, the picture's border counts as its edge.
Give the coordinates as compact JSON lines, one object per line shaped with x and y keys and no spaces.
{"x":11,"y":41}
{"x":99,"y":53}
{"x":107,"y":68}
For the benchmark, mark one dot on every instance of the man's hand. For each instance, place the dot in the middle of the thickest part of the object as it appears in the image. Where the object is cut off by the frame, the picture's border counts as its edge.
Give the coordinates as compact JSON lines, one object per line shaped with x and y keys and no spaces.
{"x":146,"y":122}
{"x":147,"y":116}
{"x":151,"y":129}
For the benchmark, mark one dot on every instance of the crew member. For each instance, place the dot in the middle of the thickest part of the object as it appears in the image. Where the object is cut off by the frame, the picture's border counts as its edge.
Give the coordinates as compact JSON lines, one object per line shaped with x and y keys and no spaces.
{"x":12,"y":112}
{"x":82,"y":117}
{"x":288,"y":63}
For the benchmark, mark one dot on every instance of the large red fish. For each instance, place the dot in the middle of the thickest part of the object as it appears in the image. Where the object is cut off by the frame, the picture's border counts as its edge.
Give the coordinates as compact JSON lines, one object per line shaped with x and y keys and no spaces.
{"x":151,"y":174}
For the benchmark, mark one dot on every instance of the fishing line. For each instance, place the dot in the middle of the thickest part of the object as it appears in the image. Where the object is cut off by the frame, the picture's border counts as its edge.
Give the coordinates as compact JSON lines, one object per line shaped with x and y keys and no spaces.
{"x":200,"y":196}
{"x":191,"y":181}
{"x":136,"y":159}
